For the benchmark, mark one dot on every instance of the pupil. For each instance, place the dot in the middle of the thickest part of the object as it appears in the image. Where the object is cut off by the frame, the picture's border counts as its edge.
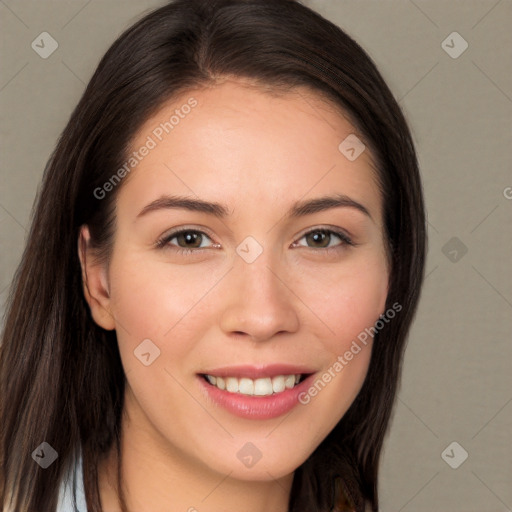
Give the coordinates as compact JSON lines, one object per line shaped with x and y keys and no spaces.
{"x":189,"y":237}
{"x":320,"y":234}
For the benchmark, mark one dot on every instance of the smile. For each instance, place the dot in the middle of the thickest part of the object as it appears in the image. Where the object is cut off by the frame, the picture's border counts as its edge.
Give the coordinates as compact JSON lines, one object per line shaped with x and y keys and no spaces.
{"x":255,"y":387}
{"x":255,"y":392}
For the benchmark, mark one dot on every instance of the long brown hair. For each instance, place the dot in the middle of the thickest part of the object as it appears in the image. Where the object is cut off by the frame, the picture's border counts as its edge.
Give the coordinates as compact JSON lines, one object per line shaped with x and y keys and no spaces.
{"x":61,"y":375}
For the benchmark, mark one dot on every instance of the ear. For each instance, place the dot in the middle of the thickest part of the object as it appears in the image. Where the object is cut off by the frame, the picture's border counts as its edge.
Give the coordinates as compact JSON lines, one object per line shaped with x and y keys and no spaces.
{"x":95,"y":283}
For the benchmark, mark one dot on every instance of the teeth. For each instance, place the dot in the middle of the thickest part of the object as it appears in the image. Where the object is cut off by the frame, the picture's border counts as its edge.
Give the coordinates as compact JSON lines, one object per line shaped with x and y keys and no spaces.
{"x":258,"y":387}
{"x":289,"y":382}
{"x":263,"y":387}
{"x":232,"y":385}
{"x":278,"y":384}
{"x":246,"y":386}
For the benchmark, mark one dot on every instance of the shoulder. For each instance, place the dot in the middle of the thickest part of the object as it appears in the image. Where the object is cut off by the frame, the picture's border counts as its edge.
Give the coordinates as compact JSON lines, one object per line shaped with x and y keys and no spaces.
{"x":69,"y":483}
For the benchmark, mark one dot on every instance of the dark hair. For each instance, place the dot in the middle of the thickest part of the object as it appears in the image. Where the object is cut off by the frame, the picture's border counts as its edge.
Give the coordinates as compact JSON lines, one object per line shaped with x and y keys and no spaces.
{"x":60,"y":373}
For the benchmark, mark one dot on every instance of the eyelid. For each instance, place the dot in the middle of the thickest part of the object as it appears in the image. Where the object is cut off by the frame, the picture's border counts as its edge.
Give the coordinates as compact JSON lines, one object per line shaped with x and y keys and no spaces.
{"x":164,"y":239}
{"x":343,"y":235}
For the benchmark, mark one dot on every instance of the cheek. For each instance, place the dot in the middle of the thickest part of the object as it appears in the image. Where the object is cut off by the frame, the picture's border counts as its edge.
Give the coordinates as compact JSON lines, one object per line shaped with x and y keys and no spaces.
{"x":355,"y":308}
{"x":347,"y":301}
{"x":350,"y":309}
{"x":167,"y":304}
{"x":151,"y":297}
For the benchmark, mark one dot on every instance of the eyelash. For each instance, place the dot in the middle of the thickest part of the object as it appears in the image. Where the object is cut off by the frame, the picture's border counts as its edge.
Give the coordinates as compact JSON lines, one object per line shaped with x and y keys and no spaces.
{"x":164,"y":241}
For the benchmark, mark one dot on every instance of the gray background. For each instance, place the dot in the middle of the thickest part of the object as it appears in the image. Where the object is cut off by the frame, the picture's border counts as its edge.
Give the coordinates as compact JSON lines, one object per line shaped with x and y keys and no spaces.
{"x":456,"y":385}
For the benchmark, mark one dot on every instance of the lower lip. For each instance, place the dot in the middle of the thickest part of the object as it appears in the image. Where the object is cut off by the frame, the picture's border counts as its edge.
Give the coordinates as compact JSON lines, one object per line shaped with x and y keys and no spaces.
{"x":256,"y":407}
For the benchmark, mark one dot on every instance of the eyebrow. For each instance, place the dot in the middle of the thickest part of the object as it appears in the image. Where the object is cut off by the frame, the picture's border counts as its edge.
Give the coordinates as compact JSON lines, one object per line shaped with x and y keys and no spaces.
{"x":298,"y":209}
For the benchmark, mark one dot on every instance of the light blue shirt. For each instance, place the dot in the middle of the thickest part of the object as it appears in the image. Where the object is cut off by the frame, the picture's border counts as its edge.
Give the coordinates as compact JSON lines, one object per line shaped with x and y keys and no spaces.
{"x":66,"y":502}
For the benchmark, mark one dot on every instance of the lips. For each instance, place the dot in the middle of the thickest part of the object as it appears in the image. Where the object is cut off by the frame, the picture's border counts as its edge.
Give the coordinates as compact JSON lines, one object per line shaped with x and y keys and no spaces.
{"x":256,"y":392}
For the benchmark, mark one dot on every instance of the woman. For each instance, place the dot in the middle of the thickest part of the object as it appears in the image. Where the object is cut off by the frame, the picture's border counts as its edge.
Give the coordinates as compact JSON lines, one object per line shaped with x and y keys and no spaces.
{"x":175,"y":338}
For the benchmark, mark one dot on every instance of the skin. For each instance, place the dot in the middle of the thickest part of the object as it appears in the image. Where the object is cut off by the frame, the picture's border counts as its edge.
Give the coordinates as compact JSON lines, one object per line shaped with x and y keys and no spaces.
{"x":296,"y":303}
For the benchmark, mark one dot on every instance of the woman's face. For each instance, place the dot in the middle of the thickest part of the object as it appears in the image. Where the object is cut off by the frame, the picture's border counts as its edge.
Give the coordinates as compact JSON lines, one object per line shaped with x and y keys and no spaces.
{"x":253,"y":292}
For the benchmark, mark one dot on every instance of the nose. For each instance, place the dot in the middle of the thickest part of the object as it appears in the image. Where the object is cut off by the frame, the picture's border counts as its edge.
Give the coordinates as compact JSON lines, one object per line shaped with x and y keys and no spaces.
{"x":258,"y":300}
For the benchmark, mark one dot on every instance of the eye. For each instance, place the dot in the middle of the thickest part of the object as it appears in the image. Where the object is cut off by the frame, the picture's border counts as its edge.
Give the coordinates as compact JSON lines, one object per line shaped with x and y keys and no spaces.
{"x":187,"y":240}
{"x":321,"y":238}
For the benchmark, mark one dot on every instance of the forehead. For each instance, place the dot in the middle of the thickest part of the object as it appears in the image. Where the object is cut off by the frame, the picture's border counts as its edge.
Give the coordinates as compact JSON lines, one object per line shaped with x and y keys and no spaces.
{"x":247,"y":144}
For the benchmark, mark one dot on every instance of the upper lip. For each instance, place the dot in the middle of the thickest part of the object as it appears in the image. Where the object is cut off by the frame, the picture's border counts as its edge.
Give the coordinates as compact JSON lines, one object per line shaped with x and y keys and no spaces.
{"x":258,"y":372}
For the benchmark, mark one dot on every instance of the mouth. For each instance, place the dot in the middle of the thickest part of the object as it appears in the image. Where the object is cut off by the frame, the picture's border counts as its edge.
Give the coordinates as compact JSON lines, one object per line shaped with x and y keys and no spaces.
{"x":256,"y":392}
{"x":265,"y":386}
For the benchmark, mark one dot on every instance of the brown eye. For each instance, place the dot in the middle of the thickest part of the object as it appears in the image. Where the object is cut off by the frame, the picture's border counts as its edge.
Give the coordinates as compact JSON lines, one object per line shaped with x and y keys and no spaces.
{"x":319,"y":238}
{"x":323,"y":238}
{"x":190,"y":239}
{"x":187,"y":240}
